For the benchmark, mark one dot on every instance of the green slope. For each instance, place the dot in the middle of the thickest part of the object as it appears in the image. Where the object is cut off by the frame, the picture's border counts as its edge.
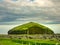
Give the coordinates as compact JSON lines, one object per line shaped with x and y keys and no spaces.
{"x":32,"y":27}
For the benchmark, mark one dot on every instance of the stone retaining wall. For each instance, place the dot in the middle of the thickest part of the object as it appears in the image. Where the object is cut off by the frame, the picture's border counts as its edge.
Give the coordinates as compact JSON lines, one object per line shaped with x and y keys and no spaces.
{"x":38,"y":36}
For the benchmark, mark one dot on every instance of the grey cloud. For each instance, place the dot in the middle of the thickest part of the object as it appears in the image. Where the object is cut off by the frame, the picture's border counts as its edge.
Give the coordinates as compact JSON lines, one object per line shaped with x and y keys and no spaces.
{"x":54,"y":22}
{"x":10,"y":13}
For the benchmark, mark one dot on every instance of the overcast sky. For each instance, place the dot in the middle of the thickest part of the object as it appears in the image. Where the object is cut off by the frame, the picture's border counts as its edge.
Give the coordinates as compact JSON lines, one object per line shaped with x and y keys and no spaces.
{"x":13,"y":12}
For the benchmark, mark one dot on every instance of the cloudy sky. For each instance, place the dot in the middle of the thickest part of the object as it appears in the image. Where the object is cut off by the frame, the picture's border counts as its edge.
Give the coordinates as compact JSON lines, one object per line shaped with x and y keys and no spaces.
{"x":15,"y":12}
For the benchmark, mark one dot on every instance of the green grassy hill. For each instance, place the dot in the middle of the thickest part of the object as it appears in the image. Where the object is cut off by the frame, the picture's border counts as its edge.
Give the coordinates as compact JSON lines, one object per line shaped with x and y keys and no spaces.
{"x":31,"y":28}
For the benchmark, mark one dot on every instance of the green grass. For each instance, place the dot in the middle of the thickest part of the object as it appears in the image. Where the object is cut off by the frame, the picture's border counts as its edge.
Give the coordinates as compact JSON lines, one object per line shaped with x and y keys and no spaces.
{"x":7,"y":42}
{"x":27,"y":41}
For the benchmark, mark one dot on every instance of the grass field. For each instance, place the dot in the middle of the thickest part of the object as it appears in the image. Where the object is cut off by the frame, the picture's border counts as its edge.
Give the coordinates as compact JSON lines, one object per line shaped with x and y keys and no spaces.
{"x":28,"y":42}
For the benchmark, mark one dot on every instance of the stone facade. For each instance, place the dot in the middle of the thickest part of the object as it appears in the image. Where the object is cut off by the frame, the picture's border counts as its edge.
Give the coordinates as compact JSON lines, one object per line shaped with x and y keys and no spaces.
{"x":45,"y":36}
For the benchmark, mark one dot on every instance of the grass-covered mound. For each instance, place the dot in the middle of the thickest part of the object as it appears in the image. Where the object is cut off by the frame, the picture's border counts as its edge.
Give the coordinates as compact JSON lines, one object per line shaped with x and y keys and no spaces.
{"x":31,"y":28}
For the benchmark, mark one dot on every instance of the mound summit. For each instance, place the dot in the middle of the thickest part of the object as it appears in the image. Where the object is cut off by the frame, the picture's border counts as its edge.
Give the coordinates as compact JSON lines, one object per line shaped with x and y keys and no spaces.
{"x":31,"y":28}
